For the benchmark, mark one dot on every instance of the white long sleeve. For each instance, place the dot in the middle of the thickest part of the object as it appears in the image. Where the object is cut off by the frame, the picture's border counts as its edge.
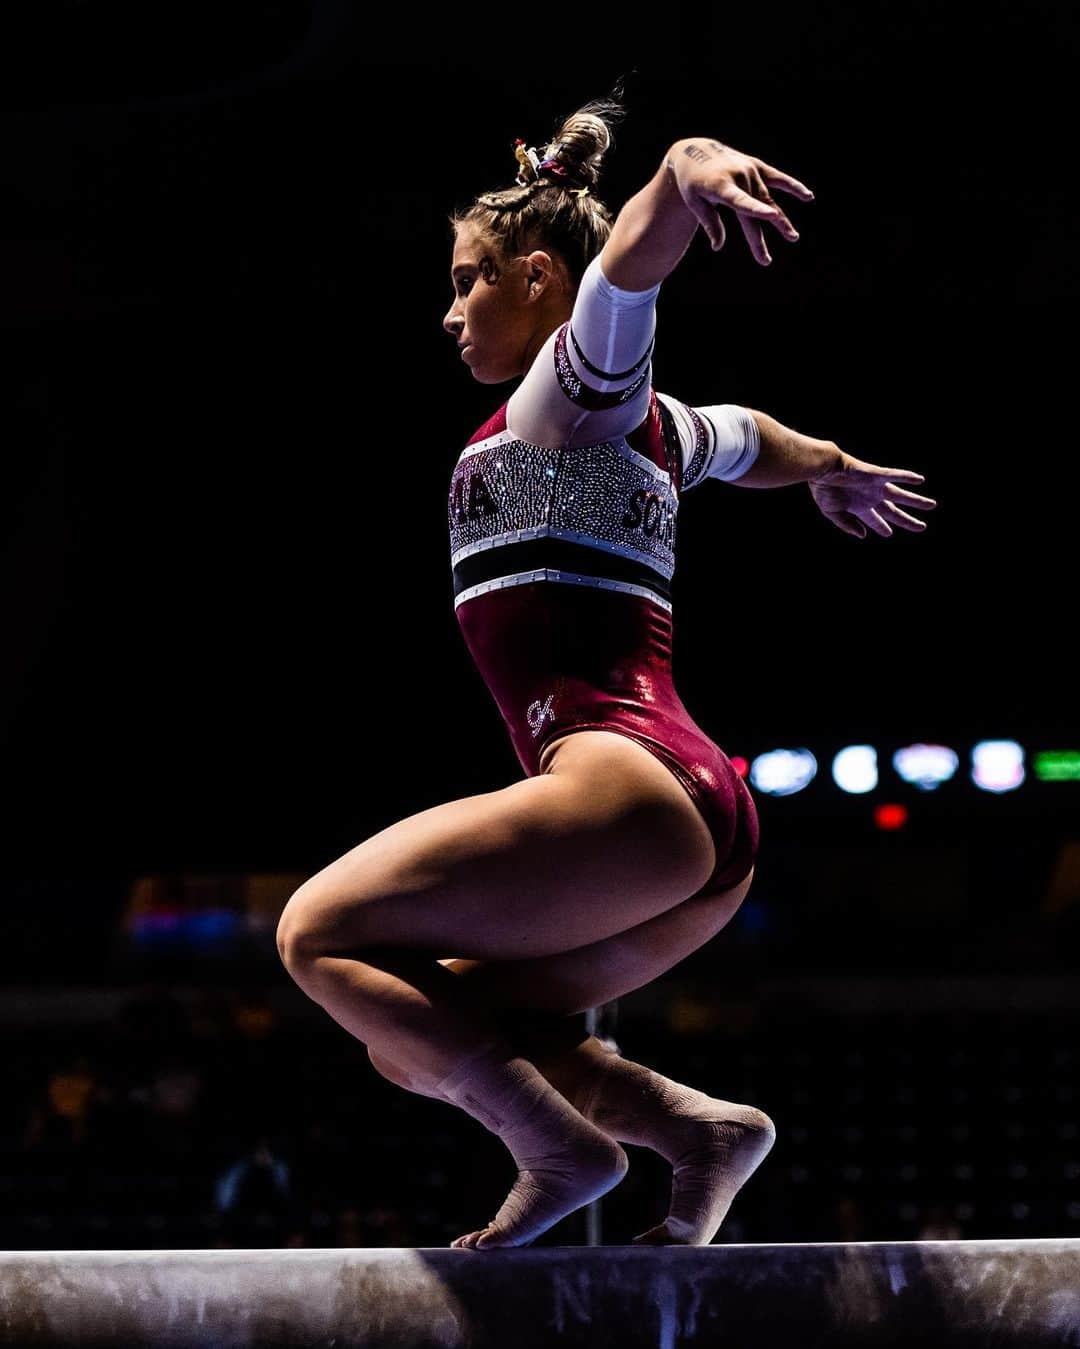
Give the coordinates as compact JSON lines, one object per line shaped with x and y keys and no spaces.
{"x":590,"y":380}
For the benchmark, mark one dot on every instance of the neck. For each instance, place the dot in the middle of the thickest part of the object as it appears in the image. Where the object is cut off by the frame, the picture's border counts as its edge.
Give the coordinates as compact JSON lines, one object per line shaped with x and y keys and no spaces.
{"x":540,"y":336}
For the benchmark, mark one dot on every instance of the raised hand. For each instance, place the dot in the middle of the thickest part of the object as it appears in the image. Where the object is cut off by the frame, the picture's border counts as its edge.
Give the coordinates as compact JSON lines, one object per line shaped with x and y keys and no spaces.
{"x":857,"y":496}
{"x":709,"y":174}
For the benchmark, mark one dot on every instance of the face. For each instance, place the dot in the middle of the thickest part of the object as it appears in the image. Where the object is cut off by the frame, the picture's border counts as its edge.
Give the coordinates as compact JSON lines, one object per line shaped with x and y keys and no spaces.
{"x":494,"y":309}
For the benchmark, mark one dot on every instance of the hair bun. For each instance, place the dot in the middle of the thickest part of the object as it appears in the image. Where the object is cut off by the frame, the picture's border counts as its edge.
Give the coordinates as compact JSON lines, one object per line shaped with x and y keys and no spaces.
{"x":575,"y":222}
{"x":577,"y":151}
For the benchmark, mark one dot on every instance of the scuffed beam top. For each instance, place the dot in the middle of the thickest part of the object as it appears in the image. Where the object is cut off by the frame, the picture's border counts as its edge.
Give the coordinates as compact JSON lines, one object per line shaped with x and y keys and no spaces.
{"x":938,"y":1293}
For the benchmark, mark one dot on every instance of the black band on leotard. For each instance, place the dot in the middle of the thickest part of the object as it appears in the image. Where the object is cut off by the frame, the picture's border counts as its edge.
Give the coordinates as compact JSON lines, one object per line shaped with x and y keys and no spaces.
{"x":560,"y":555}
{"x":603,"y":374}
{"x":581,"y":394}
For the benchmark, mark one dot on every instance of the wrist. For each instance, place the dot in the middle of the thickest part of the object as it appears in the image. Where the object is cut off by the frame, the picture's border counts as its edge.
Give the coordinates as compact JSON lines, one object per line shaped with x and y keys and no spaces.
{"x":831,"y":458}
{"x":668,"y":161}
{"x":668,"y":171}
{"x":786,"y":456}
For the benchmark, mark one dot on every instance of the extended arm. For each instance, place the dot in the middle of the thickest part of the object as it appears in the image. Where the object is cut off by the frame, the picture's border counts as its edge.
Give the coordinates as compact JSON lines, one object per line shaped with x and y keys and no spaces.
{"x":744,"y":446}
{"x":651,"y":233}
{"x":724,"y":441}
{"x":750,"y":448}
{"x":653,"y":230}
{"x":591,"y":379}
{"x":851,"y":494}
{"x":786,"y":456}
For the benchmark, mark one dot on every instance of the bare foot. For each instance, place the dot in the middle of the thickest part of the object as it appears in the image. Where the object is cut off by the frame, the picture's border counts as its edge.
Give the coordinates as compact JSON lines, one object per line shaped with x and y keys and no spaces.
{"x":566,"y":1176}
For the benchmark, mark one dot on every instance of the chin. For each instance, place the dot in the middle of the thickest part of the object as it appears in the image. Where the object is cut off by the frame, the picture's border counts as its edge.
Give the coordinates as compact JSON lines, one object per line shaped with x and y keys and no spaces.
{"x":490,"y":376}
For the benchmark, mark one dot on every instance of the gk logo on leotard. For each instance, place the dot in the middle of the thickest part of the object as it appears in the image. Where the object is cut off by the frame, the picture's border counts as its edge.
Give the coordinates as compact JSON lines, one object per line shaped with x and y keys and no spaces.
{"x":538,"y":713}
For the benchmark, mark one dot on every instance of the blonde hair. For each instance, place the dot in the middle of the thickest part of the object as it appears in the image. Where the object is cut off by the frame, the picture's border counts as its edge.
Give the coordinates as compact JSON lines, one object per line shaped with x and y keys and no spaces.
{"x":552,"y":211}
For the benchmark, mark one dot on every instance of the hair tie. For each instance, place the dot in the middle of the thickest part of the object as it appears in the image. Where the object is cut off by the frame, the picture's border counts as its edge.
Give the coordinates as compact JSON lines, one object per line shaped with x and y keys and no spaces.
{"x":532,"y":166}
{"x":554,"y":166}
{"x":529,"y":161}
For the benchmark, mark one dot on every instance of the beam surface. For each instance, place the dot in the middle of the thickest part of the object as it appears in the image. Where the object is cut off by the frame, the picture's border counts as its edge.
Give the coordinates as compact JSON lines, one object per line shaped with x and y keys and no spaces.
{"x":985,"y":1293}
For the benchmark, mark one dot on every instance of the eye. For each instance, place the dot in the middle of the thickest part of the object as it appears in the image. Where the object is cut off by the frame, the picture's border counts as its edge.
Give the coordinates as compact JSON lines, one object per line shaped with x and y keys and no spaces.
{"x":462,"y":283}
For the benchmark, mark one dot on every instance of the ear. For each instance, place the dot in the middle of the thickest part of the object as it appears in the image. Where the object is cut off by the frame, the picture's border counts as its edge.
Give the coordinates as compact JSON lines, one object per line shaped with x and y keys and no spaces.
{"x":539,"y":272}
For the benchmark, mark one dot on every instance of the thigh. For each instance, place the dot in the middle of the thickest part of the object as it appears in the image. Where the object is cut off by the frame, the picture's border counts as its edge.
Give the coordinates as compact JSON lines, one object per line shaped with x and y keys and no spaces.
{"x":572,"y":981}
{"x":547,"y":864}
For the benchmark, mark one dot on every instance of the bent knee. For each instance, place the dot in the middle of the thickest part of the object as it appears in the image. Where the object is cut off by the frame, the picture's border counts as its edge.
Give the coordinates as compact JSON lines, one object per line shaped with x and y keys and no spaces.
{"x":296,"y":930}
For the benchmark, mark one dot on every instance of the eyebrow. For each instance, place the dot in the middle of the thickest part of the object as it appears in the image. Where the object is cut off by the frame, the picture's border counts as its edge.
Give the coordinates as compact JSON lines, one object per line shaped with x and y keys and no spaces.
{"x":461,"y":267}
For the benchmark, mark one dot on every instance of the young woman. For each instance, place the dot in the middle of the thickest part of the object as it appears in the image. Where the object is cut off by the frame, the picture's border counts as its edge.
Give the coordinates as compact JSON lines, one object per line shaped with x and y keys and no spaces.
{"x":631,"y":840}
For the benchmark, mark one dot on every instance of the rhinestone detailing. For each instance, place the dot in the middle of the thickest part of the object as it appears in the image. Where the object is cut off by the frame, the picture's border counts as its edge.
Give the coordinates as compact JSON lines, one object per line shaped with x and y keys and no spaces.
{"x":582,"y":394}
{"x":570,"y":578}
{"x":589,"y":515}
{"x":700,"y":454}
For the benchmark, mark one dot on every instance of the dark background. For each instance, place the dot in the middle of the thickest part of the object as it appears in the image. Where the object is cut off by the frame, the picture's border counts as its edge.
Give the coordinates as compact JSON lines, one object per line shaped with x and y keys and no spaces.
{"x":233,"y":412}
{"x":229,"y":644}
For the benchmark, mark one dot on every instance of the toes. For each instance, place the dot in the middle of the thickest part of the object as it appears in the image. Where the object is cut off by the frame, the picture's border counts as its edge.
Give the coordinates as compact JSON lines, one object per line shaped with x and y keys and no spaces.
{"x":659,"y":1236}
{"x":466,"y":1242}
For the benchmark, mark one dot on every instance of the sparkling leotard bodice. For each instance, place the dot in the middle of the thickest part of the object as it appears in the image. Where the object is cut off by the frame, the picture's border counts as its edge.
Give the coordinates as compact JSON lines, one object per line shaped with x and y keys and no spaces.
{"x":562,"y":513}
{"x":562,"y":567}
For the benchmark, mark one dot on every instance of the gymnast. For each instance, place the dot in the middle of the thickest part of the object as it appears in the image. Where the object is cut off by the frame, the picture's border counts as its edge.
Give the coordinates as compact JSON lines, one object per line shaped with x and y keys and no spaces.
{"x":631,"y":839}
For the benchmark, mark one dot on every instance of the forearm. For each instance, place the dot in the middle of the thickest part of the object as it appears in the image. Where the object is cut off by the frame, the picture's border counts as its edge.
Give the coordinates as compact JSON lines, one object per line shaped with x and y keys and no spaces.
{"x":651,"y":232}
{"x":786,"y":456}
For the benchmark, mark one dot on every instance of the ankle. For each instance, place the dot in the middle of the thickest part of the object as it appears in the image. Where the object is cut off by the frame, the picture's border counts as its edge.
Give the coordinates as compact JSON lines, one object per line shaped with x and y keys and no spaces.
{"x":577,"y":1072}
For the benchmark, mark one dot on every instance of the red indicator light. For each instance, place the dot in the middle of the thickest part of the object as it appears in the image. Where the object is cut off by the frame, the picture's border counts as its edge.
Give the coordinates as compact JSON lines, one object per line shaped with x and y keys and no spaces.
{"x":890,"y":816}
{"x":740,"y":765}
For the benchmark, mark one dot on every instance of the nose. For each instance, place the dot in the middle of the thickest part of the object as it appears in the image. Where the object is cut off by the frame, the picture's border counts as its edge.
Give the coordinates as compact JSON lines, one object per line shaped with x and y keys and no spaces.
{"x":453,"y":322}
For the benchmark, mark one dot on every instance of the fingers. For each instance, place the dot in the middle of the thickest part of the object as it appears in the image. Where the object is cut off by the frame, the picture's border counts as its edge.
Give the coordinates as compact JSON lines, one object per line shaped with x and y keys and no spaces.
{"x":899,"y":516}
{"x":877,"y":524}
{"x":912,"y":498}
{"x":855,"y":522}
{"x":782,"y":223}
{"x":759,"y":212}
{"x":903,"y":473}
{"x":753,"y":212}
{"x":739,"y":200}
{"x":880,"y":526}
{"x":852,"y":522}
{"x":710,"y":222}
{"x":864,"y":502}
{"x":755,"y":237}
{"x":849,"y":525}
{"x":783,"y":182}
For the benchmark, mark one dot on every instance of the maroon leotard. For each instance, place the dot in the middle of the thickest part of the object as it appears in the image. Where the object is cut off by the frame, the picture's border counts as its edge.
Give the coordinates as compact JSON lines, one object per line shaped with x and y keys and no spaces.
{"x":562,"y":562}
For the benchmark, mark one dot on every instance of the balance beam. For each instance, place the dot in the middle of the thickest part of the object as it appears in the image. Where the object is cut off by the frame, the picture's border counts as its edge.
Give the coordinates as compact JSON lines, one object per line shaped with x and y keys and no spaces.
{"x":928,"y":1294}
